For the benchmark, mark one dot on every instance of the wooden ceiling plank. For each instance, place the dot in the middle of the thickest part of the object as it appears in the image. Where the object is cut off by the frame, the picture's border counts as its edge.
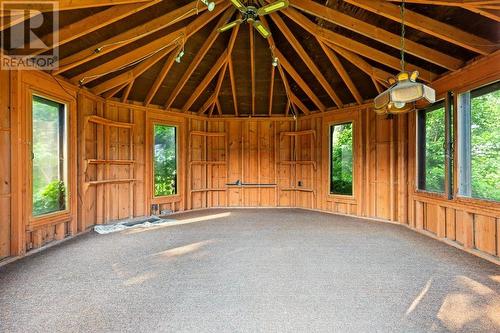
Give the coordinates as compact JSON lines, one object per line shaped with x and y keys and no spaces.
{"x":377,"y":33}
{"x":252,"y":66}
{"x":14,"y":19}
{"x":136,"y":54}
{"x":209,"y":41}
{"x":296,"y":101}
{"x":287,"y":107}
{"x":271,"y":90}
{"x":162,"y":75}
{"x":71,"y":4}
{"x":126,"y":93}
{"x":134,"y":73}
{"x":230,"y":48}
{"x":306,"y":58}
{"x":272,"y":47}
{"x":233,"y":86}
{"x":428,"y":25}
{"x":206,"y":81}
{"x":220,"y":79}
{"x":361,"y":63}
{"x":491,"y":13}
{"x":371,"y":53}
{"x":212,"y":107}
{"x":91,"y":23}
{"x":299,"y":80}
{"x":219,"y":107}
{"x":207,"y":104}
{"x":284,"y":79}
{"x":133,"y":34}
{"x":114,"y":91}
{"x":335,"y":61}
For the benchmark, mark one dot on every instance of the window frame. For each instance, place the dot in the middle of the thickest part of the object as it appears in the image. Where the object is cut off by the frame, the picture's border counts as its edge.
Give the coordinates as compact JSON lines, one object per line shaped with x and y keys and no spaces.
{"x":354,"y":157}
{"x":463,"y":99}
{"x":154,"y":197}
{"x":421,"y":145}
{"x":67,"y":129}
{"x":449,"y":156}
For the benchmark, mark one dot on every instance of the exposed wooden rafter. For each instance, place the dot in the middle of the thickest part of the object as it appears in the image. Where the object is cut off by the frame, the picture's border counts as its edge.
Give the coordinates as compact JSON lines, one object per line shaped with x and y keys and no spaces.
{"x":271,"y":90}
{"x":229,"y":50}
{"x":206,"y":81}
{"x":134,"y":73}
{"x":45,"y":5}
{"x":91,"y":23}
{"x":252,"y":66}
{"x":376,"y":33}
{"x":198,"y":57}
{"x":352,"y":45}
{"x":127,"y":90}
{"x":299,"y":80}
{"x":342,"y":72}
{"x":306,"y":58}
{"x":489,"y":8}
{"x":131,"y":35}
{"x":428,"y":25}
{"x":162,"y":75}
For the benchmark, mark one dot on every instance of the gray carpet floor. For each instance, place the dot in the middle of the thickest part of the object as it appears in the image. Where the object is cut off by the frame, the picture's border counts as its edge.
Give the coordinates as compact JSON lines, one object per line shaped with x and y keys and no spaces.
{"x":252,"y":271}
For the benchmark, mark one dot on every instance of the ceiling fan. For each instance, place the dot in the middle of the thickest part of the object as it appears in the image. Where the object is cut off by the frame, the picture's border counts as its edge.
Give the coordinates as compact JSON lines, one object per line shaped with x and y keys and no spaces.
{"x":251,"y":15}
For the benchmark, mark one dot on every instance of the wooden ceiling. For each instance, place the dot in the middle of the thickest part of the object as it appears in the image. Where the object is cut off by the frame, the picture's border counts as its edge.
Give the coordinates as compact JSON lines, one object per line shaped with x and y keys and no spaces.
{"x":331,"y":53}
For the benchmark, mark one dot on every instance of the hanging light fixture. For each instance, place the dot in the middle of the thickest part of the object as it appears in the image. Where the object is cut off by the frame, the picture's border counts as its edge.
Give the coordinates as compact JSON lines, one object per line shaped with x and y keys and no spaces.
{"x":404,"y":89}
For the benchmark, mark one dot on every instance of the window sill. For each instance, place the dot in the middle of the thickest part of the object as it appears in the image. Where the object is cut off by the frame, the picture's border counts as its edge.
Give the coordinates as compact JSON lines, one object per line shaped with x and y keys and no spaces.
{"x":166,"y":199}
{"x":48,"y":219}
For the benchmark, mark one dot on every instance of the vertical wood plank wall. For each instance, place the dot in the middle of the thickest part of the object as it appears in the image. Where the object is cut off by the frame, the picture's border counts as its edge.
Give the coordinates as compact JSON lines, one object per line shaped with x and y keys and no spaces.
{"x":247,"y":164}
{"x":5,"y":158}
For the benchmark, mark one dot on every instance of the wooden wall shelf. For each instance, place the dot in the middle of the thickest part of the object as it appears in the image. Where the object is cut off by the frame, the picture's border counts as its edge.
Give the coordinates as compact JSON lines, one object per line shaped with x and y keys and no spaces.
{"x":105,"y":160}
{"x":296,"y":163}
{"x":207,"y":166}
{"x":107,"y":122}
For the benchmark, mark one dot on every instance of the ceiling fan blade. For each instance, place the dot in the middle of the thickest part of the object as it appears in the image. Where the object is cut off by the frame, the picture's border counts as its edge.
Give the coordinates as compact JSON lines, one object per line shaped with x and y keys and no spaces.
{"x":272,"y":7}
{"x":262,"y":29}
{"x":239,"y":5}
{"x":230,"y":25}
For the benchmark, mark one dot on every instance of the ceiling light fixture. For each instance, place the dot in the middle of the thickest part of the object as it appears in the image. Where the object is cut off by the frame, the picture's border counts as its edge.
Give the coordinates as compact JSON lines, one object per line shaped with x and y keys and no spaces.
{"x":210,"y":4}
{"x":275,"y":62}
{"x":180,"y":55}
{"x":404,"y":89}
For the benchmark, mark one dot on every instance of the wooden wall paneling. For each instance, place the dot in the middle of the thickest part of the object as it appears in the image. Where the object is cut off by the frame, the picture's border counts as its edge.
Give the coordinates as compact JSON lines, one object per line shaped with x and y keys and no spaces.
{"x":450,"y":227}
{"x":234,"y":162}
{"x":431,"y":218}
{"x":459,"y":227}
{"x":5,"y":161}
{"x":441,"y":221}
{"x":139,"y":151}
{"x":18,"y":233}
{"x":383,"y":168}
{"x":402,"y":169}
{"x":485,"y":234}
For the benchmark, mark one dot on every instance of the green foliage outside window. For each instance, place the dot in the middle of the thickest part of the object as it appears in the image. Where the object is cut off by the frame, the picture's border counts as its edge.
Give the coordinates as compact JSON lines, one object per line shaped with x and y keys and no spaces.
{"x":165,"y":160}
{"x":49,"y":157}
{"x":434,"y":150}
{"x":341,"y":159}
{"x":485,"y":146}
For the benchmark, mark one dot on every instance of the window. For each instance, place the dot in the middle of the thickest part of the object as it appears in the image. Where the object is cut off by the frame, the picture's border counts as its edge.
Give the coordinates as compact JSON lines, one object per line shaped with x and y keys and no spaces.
{"x":479,"y":143}
{"x":165,"y":160}
{"x":432,"y":148}
{"x":341,"y":159}
{"x":49,"y":154}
